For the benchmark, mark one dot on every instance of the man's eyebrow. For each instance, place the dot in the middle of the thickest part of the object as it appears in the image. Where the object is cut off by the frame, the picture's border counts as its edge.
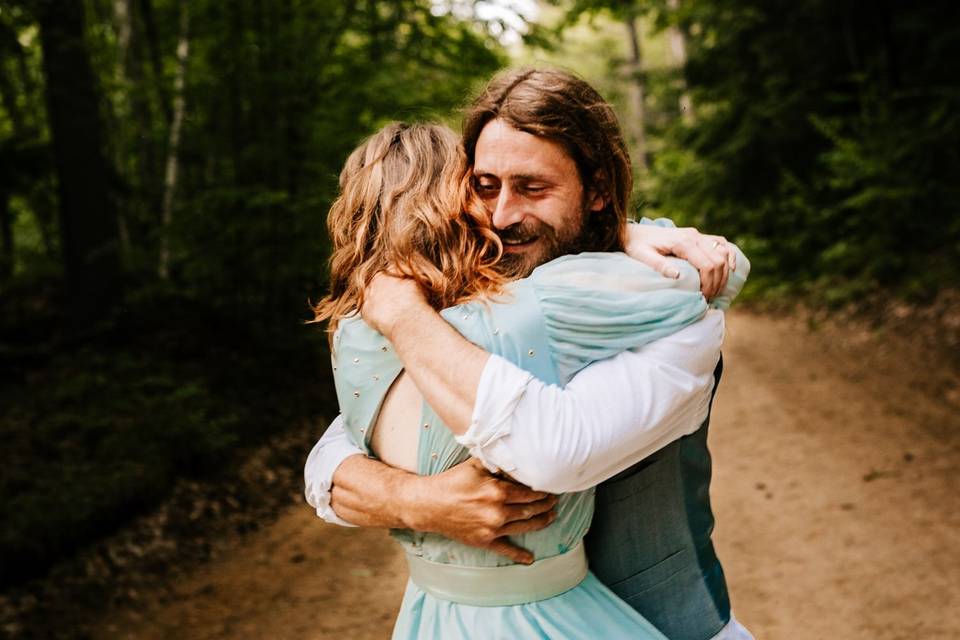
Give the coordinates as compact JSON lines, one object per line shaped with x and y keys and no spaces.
{"x":515,"y":178}
{"x":530,"y":177}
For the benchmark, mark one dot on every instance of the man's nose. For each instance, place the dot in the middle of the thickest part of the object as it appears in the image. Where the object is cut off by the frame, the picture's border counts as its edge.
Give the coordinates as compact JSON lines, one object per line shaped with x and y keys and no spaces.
{"x":508,"y":209}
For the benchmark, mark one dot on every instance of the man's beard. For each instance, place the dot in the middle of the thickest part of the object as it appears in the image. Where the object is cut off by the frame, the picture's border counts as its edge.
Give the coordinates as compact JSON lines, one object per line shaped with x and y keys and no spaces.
{"x":551,"y":243}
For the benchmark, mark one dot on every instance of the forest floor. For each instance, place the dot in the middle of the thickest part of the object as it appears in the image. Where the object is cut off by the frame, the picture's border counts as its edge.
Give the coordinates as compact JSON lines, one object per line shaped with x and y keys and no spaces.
{"x":836,"y":492}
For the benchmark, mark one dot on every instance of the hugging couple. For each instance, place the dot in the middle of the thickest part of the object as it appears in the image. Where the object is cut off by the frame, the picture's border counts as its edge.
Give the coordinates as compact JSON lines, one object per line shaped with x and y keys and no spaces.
{"x":524,"y":377}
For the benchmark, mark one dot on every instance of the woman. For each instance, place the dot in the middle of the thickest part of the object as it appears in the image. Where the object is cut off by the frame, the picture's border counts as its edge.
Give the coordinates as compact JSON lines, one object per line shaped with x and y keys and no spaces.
{"x":401,"y":209}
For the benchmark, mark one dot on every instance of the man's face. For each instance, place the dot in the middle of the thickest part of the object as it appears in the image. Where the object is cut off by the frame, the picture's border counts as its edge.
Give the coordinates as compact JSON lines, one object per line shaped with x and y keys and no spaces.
{"x":533,"y":193}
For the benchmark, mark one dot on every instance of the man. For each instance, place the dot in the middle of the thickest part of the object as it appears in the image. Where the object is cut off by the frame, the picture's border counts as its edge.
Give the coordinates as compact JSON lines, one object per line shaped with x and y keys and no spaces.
{"x":548,"y":161}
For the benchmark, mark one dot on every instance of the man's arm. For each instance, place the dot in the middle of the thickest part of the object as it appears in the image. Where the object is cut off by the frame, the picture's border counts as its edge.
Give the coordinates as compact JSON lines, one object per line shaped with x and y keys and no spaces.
{"x":613,"y":413}
{"x":465,"y":503}
{"x":443,"y":364}
{"x":318,"y":473}
{"x":350,"y":489}
{"x":570,"y":438}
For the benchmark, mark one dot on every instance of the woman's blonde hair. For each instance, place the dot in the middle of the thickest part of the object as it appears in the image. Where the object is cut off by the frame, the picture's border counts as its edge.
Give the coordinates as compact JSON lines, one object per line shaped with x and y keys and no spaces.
{"x":402,"y":208}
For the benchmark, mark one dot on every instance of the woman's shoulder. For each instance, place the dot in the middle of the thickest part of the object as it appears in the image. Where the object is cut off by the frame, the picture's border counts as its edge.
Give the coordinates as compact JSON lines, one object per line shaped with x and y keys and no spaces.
{"x":613,"y":270}
{"x":352,"y":325}
{"x":585,"y":260}
{"x":353,"y":335}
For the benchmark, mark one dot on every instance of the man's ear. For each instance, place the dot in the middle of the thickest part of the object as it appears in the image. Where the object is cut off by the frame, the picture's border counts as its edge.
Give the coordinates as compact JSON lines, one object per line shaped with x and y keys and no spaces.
{"x":597,"y":196}
{"x":598,"y":202}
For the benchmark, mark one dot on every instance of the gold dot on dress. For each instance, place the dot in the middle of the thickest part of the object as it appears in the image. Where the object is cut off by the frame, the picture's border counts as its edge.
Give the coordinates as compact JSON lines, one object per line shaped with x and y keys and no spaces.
{"x":356,"y":360}
{"x":496,"y":332}
{"x":426,"y":425}
{"x":356,"y":394}
{"x":434,"y":455}
{"x":531,"y":353}
{"x":375,"y":378}
{"x":383,"y":348}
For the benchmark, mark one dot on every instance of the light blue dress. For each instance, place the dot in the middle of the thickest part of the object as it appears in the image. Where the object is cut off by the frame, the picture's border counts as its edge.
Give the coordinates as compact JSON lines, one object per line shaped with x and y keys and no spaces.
{"x":566,"y":314}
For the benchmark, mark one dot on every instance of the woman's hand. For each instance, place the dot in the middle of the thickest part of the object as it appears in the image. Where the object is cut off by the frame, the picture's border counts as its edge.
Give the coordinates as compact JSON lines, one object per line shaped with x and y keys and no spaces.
{"x":712,"y":256}
{"x":389,"y":299}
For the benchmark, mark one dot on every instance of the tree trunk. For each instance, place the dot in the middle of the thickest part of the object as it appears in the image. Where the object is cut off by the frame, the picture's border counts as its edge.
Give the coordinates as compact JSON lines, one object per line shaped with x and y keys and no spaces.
{"x":6,"y":237}
{"x":9,"y":100}
{"x":156,"y":62}
{"x":170,"y":175}
{"x":144,"y":91}
{"x":8,"y":95}
{"x":124,"y":21}
{"x":636,"y":129}
{"x":678,"y":46}
{"x":88,"y":218}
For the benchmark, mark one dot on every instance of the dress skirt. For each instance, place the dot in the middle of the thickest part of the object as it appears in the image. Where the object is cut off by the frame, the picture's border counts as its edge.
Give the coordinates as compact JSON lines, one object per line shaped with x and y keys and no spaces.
{"x":589,"y":611}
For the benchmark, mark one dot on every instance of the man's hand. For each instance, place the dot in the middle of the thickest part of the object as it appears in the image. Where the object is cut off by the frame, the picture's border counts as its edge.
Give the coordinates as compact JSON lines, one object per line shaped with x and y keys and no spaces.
{"x":387,"y":299}
{"x":469,"y":504}
{"x":710,"y":255}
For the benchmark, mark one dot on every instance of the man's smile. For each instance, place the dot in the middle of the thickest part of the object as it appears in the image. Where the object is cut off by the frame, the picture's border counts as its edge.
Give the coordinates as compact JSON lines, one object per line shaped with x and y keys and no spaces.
{"x":517,"y":245}
{"x":521,"y":237}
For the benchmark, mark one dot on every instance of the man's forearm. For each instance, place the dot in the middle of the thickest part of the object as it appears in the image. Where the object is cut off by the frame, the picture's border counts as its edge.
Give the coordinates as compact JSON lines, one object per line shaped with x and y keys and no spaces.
{"x":572,"y":438}
{"x":369,"y":493}
{"x":611,"y":415}
{"x":464,"y":503}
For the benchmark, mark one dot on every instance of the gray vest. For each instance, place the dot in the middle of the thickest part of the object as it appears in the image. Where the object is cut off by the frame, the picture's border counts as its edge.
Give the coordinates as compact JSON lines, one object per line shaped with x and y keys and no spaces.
{"x":650,"y":539}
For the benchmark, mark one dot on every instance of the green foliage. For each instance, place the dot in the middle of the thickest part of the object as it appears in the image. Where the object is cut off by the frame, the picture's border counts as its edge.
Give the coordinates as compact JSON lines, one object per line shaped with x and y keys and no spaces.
{"x":276,"y":94}
{"x":824,"y":136}
{"x":835,"y":161}
{"x":98,"y":432}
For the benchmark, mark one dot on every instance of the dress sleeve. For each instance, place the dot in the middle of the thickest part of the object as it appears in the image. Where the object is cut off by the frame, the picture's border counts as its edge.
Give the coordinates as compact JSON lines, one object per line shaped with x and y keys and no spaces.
{"x":596,"y":305}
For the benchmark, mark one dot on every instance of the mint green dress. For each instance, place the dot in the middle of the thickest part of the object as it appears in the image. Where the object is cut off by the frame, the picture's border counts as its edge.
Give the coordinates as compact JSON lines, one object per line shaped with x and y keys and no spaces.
{"x":566,"y":314}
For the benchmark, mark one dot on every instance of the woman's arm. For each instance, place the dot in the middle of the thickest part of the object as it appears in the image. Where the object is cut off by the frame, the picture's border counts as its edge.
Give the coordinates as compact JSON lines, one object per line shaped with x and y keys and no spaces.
{"x":652,"y":242}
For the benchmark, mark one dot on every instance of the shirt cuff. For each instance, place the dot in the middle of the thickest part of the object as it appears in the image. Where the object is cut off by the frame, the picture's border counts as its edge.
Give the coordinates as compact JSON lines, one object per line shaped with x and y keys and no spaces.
{"x":502,"y":384}
{"x":318,"y":472}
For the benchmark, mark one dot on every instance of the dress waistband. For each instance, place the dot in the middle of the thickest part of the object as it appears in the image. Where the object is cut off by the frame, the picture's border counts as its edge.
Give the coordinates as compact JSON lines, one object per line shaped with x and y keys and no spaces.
{"x":500,"y":586}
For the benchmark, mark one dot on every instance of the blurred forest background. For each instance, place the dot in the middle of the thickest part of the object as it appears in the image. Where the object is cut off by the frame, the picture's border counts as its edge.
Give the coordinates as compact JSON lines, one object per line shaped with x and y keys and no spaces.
{"x":166,"y":166}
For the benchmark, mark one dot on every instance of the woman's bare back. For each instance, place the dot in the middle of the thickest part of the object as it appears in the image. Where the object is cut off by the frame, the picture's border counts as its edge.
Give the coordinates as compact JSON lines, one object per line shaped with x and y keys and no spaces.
{"x":396,"y":434}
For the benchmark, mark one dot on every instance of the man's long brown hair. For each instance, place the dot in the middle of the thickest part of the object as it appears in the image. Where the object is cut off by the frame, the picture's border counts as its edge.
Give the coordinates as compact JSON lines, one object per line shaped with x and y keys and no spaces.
{"x":559,"y":106}
{"x":400,"y":210}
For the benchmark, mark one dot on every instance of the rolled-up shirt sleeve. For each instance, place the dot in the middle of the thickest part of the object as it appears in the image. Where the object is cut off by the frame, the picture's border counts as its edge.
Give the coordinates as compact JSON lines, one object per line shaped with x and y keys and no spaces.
{"x":610,"y":416}
{"x":333,"y":448}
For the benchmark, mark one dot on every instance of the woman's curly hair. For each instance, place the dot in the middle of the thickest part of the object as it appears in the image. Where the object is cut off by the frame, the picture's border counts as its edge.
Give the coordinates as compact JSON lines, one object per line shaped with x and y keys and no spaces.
{"x":404,"y":208}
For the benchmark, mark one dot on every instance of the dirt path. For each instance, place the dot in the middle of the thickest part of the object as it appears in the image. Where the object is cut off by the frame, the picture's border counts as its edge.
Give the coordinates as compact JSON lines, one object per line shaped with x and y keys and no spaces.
{"x":836,"y":494}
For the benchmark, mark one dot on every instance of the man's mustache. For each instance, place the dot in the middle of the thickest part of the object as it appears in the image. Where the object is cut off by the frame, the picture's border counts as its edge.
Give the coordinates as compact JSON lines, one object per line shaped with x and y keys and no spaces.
{"x":523,"y":231}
